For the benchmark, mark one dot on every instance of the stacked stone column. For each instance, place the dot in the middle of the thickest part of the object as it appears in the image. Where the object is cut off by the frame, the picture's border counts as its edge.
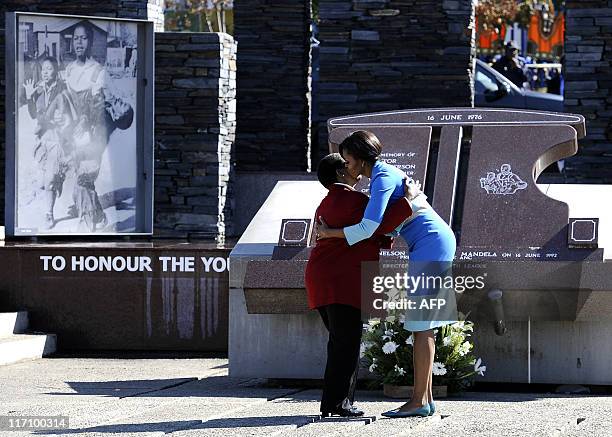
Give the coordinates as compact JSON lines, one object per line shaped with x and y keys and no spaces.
{"x":381,"y":55}
{"x":588,"y":87}
{"x":195,"y":123}
{"x":273,"y":108}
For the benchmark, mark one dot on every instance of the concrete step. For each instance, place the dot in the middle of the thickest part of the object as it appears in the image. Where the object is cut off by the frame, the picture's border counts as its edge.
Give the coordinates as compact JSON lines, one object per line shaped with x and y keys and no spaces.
{"x":13,"y":323}
{"x":24,"y":347}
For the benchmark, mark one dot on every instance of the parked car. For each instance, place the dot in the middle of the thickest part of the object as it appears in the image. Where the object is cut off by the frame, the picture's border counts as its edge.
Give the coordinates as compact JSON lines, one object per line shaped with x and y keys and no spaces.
{"x":492,"y":88}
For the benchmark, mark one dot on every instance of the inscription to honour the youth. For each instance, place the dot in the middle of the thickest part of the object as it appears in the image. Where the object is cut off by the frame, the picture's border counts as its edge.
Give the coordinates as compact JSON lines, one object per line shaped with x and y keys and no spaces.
{"x":503,"y":182}
{"x":94,"y":263}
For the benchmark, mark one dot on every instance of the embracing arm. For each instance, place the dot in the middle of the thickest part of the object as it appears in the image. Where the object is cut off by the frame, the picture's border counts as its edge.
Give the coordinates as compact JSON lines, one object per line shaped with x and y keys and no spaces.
{"x":381,"y":188}
{"x":393,"y":218}
{"x":400,"y":211}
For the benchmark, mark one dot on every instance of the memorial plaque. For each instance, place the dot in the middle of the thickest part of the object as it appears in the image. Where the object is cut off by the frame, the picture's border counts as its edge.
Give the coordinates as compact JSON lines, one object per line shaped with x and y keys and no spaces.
{"x":295,"y":232}
{"x":583,"y":232}
{"x":484,"y":184}
{"x":519,"y":257}
{"x":503,"y":207}
{"x":486,"y":164}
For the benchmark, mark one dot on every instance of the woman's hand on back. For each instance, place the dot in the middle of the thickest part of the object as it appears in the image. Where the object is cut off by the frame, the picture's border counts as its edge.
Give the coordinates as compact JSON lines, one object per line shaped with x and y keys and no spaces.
{"x":412,"y":188}
{"x":322,"y":229}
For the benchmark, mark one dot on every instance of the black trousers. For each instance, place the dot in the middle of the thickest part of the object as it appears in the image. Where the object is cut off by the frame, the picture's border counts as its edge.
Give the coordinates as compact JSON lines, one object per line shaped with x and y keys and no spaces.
{"x":345,"y":327}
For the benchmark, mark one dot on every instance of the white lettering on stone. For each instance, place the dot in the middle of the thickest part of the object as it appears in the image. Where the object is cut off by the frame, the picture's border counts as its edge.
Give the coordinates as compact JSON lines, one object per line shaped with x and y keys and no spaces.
{"x":218,"y":264}
{"x":177,"y":263}
{"x":451,"y":117}
{"x":58,"y":263}
{"x":111,"y":263}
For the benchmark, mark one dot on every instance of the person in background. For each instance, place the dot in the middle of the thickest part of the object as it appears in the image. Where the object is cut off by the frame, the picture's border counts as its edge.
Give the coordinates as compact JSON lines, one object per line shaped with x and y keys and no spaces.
{"x":554,"y":82}
{"x":510,"y":66}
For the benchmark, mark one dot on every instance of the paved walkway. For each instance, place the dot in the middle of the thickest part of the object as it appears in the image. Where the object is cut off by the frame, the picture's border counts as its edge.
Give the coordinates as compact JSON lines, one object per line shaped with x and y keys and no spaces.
{"x":195,"y":397}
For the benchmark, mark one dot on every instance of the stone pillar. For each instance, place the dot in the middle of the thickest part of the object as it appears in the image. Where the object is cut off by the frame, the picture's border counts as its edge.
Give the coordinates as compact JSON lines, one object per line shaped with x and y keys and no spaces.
{"x":155,"y":13}
{"x":195,"y":123}
{"x":588,"y":87}
{"x":273,"y":109}
{"x":380,"y":55}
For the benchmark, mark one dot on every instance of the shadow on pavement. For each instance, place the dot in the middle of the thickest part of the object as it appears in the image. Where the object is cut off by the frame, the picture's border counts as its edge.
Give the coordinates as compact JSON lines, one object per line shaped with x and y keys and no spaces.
{"x":192,"y":425}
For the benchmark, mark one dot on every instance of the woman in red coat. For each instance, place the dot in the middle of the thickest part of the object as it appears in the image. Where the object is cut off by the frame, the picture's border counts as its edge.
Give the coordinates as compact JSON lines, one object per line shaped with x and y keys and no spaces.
{"x":333,"y":280}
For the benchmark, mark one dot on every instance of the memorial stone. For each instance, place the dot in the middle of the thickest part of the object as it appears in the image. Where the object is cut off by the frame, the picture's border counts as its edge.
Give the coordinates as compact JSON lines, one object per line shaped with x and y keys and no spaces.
{"x":480,"y":169}
{"x":492,"y":201}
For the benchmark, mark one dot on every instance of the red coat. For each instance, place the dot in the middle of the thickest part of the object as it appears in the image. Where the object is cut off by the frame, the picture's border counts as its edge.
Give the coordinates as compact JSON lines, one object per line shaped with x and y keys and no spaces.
{"x":333,"y":272}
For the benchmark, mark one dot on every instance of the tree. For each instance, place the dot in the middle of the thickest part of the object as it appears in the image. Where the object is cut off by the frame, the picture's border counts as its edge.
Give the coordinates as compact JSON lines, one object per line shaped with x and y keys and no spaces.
{"x":493,"y":14}
{"x":212,"y":12}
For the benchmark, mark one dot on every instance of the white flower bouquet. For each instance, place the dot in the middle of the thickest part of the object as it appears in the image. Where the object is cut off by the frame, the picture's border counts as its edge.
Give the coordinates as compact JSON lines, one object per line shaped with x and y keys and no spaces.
{"x":387,"y":352}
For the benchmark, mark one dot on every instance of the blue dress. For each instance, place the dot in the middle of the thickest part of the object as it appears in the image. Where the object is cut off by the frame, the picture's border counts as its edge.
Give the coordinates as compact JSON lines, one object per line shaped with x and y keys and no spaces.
{"x":431,"y":242}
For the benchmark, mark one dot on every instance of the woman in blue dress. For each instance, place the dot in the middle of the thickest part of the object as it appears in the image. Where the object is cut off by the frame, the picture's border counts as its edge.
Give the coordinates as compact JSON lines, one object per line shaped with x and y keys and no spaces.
{"x":431,"y":244}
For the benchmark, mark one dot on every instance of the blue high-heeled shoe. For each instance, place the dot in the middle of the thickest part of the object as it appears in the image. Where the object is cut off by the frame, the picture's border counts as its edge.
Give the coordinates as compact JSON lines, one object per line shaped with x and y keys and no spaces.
{"x":432,"y":408}
{"x":416,"y":412}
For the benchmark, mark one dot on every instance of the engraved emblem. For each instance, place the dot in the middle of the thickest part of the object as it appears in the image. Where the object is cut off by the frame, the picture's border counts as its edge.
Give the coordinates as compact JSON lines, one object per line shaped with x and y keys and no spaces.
{"x":503,"y":182}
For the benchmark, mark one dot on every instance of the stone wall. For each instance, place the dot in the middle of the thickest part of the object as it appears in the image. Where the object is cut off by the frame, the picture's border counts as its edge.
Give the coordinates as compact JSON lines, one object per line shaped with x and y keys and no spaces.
{"x":138,"y":9}
{"x":588,"y":87}
{"x":195,"y":122}
{"x":380,"y":55}
{"x":273,"y":109}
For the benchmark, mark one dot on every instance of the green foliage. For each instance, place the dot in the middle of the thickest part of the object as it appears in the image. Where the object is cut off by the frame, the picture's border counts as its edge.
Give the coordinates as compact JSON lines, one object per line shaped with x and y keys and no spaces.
{"x":200,"y":15}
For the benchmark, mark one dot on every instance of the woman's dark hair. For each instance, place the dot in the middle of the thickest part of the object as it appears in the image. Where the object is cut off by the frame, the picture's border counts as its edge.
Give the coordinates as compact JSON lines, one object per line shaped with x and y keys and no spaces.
{"x":328,"y":166}
{"x":362,"y":145}
{"x":52,"y":61}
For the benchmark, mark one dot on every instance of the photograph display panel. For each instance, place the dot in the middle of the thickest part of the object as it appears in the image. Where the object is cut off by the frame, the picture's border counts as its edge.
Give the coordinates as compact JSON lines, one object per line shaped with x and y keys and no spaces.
{"x":77,"y":155}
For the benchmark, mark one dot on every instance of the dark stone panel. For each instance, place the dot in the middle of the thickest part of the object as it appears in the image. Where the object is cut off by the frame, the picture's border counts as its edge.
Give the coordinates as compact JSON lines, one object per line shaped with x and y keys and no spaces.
{"x":140,"y":9}
{"x":446,"y":172}
{"x":389,"y":55}
{"x":2,"y":123}
{"x":195,"y":123}
{"x":273,"y":69}
{"x":120,"y":309}
{"x":588,"y":68}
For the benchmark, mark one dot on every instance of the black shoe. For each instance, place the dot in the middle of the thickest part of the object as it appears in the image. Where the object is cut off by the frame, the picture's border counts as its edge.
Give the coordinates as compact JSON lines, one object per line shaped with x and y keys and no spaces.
{"x":342,"y":412}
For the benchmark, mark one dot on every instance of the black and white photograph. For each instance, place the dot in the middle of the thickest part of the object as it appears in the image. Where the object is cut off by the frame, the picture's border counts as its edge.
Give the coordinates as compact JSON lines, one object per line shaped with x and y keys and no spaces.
{"x":76,"y":135}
